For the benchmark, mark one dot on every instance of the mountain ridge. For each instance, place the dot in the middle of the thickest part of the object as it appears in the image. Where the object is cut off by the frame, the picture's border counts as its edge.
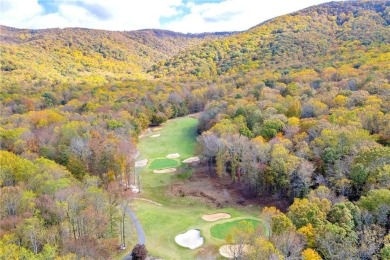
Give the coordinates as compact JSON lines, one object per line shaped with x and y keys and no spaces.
{"x":304,"y":36}
{"x":111,"y":54}
{"x":153,"y":31}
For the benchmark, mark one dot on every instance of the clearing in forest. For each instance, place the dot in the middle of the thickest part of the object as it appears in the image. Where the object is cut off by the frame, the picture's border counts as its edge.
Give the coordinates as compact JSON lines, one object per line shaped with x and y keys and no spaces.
{"x":177,"y":214}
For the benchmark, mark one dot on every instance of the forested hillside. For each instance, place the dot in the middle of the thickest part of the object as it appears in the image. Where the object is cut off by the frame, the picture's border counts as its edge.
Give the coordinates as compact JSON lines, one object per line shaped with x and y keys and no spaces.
{"x":304,"y":115}
{"x":74,"y":55}
{"x":296,"y":108}
{"x":339,"y":35}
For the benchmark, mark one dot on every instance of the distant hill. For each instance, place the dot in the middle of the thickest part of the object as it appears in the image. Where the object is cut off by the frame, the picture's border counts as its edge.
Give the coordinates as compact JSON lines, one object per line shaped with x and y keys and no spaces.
{"x":334,"y":34}
{"x":57,"y":55}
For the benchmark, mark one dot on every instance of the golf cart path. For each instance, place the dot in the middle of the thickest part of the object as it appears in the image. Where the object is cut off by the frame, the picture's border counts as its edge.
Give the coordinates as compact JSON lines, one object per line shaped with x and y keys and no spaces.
{"x":138,"y":227}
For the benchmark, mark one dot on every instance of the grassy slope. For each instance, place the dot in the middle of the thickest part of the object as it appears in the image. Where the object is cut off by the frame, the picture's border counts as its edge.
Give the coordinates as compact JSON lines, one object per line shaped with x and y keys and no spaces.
{"x":177,"y":215}
{"x":177,"y":136}
{"x":162,"y":224}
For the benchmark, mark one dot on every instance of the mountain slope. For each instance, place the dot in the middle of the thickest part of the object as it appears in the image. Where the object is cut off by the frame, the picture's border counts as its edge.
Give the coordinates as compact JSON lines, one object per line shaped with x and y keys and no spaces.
{"x":315,"y":37}
{"x":94,"y":56}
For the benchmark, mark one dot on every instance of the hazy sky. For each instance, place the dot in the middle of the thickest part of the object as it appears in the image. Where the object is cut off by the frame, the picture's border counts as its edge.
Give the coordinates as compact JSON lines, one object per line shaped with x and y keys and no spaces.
{"x":177,"y":15}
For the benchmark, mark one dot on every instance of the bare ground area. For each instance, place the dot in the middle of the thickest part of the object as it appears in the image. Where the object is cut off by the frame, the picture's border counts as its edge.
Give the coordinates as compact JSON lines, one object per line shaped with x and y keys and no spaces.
{"x":220,"y":191}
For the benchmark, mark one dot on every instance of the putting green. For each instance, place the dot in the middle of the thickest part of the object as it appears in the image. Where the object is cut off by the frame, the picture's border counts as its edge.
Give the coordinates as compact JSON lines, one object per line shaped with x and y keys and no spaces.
{"x":222,"y":230}
{"x":163,"y":163}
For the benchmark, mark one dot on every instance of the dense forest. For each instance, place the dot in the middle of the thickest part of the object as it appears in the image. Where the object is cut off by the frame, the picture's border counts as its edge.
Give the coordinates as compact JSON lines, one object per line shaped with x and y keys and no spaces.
{"x":296,"y":107}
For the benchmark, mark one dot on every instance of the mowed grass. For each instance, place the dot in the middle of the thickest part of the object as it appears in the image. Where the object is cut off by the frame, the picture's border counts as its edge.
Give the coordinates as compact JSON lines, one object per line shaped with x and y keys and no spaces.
{"x":177,"y":214}
{"x":176,"y":136}
{"x":222,"y":230}
{"x":163,"y":223}
{"x":163,"y":163}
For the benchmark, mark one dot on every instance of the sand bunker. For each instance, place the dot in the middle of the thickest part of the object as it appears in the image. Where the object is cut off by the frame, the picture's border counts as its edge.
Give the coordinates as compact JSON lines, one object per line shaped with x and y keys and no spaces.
{"x":190,"y":239}
{"x":191,"y":159}
{"x":233,"y":251}
{"x":173,"y":155}
{"x":141,"y":163}
{"x":216,"y":216}
{"x":156,"y":135}
{"x":134,"y":189}
{"x":165,"y":170}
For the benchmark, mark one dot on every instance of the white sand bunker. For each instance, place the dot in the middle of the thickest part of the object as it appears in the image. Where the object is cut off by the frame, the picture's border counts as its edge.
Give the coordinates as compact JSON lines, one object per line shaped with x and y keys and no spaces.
{"x":141,"y":163}
{"x":190,"y":239}
{"x":216,"y":216}
{"x":165,"y":170}
{"x":173,"y":156}
{"x":191,"y":159}
{"x":134,"y":189}
{"x":233,"y":251}
{"x":156,"y":135}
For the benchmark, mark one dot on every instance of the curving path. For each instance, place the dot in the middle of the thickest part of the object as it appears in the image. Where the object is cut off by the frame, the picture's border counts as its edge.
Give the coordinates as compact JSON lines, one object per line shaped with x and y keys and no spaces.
{"x":138,"y":228}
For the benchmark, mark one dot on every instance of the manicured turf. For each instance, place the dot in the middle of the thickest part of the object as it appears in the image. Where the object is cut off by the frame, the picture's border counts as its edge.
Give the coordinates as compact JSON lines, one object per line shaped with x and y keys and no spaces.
{"x":176,"y":136}
{"x":163,"y":163}
{"x":222,"y":230}
{"x":163,"y":223}
{"x":177,"y":214}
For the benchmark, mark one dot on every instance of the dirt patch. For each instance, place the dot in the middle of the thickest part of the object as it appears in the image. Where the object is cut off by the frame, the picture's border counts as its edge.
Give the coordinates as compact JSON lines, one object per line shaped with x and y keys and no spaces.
{"x":234,"y":251}
{"x":155,"y":129}
{"x":181,"y":190}
{"x":220,"y":191}
{"x":156,"y":135}
{"x":216,"y":216}
{"x":191,"y":159}
{"x":165,"y":170}
{"x":173,"y":156}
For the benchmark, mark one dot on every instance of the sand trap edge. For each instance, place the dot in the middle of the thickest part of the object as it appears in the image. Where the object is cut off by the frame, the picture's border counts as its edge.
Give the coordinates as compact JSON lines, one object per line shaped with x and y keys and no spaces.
{"x":182,"y":243}
{"x":173,"y":156}
{"x":165,"y":170}
{"x":216,"y":216}
{"x":191,"y":159}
